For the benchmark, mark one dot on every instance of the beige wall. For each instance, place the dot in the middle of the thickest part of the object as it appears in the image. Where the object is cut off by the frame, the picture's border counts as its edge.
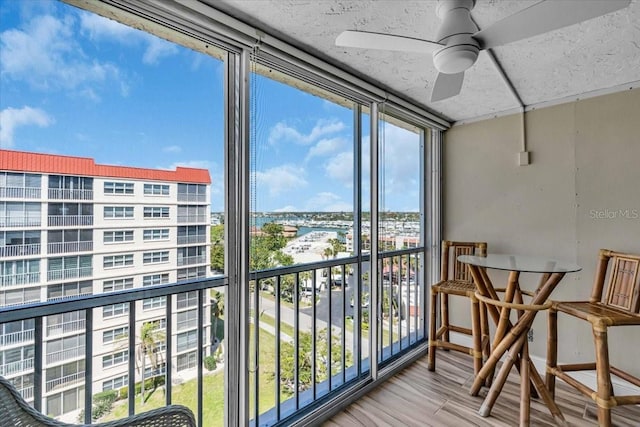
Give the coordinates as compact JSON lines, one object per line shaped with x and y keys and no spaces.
{"x":585,"y":163}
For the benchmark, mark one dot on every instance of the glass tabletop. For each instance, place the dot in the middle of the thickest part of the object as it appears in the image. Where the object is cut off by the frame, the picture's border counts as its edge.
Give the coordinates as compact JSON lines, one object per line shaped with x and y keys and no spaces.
{"x":523,"y":263}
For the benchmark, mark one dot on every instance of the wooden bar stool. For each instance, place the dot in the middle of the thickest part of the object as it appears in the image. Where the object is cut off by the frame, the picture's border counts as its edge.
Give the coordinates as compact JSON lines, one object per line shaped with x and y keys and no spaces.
{"x":618,"y":306}
{"x":456,"y":280}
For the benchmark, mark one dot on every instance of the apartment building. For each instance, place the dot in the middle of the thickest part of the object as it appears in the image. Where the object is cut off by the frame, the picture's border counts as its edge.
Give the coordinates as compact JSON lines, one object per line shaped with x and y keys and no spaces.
{"x":71,"y":227}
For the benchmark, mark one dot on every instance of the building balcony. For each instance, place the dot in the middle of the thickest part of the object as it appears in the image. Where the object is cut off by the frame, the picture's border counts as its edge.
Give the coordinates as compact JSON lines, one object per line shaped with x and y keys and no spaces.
{"x":19,"y":279}
{"x":65,"y":381}
{"x":69,"y":247}
{"x":26,"y":393}
{"x":189,"y":240}
{"x":195,"y":198}
{"x":27,"y":221}
{"x":19,"y":250}
{"x":66,"y":327}
{"x":14,"y":338}
{"x":190,"y":260}
{"x":65,"y":355}
{"x":69,"y":273}
{"x":19,"y":193}
{"x":68,"y":194}
{"x":69,"y":220}
{"x":16,"y":367}
{"x":192,"y":218}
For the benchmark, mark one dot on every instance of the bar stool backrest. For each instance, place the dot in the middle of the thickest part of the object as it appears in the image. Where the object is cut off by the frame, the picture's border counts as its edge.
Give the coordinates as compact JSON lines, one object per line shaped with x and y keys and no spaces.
{"x":452,"y":269}
{"x":623,"y":288}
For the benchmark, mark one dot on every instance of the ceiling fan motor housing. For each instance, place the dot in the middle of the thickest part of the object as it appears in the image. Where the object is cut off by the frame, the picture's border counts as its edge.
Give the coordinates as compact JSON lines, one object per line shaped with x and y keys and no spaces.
{"x":456,"y":30}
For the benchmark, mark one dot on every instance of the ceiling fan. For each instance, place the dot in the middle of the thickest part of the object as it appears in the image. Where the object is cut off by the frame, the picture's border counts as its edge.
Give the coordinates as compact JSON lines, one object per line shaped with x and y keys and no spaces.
{"x":458,"y":41}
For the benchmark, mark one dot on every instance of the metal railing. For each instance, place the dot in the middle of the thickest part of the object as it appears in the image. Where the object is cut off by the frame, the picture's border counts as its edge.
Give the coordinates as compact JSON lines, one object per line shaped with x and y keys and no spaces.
{"x":66,"y":327}
{"x":64,"y":247}
{"x":189,"y":260}
{"x":26,"y":393}
{"x":20,"y":250}
{"x":69,"y":220}
{"x":69,"y":194}
{"x":19,"y":279}
{"x":309,"y":331}
{"x":26,"y":221}
{"x":16,"y":337}
{"x":187,"y":240}
{"x":65,"y":381}
{"x":64,"y":355}
{"x":19,"y":193}
{"x":69,"y":273}
{"x":16,"y":367}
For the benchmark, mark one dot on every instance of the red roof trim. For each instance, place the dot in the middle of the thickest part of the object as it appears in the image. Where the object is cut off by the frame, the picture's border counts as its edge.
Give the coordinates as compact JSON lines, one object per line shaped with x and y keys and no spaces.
{"x":22,"y":161}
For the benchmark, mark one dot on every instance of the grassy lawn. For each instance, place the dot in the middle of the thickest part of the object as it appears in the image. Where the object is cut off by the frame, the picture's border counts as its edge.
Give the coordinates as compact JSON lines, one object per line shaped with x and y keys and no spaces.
{"x":213,"y":387}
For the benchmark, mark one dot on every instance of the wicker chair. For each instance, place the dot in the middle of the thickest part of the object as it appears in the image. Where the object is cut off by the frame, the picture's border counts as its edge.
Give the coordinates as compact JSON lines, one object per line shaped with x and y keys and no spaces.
{"x":456,"y":280}
{"x":618,"y":306}
{"x":14,"y":411}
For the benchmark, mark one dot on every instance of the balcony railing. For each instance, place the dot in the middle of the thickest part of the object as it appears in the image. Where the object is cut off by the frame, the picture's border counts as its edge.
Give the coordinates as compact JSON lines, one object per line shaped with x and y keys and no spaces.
{"x":198,"y":198}
{"x":69,"y":273}
{"x":26,"y":393}
{"x":16,"y":337}
{"x":20,"y":250}
{"x":190,"y":260}
{"x":69,"y":220}
{"x":19,"y":193}
{"x":64,"y":355}
{"x":69,"y":247}
{"x":192,"y":218}
{"x":27,"y":221}
{"x":19,"y":279}
{"x":65,"y":327}
{"x":310,"y":331}
{"x":68,"y":194}
{"x":64,"y":381}
{"x":16,"y":367}
{"x":188,"y":240}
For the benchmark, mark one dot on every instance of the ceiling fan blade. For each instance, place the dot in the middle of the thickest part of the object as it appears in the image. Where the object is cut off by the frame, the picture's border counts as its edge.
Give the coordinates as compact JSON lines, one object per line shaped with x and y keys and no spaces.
{"x":446,"y":86}
{"x":542,"y":17}
{"x":367,"y":40}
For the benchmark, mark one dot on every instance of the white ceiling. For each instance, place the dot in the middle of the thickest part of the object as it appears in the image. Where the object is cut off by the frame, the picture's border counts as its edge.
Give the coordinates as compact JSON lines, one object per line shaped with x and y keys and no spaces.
{"x":595,"y":56}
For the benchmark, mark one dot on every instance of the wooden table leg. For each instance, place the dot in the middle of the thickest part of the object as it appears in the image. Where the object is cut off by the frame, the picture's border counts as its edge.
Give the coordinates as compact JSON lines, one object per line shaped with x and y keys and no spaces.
{"x":525,"y":388}
{"x":501,"y":378}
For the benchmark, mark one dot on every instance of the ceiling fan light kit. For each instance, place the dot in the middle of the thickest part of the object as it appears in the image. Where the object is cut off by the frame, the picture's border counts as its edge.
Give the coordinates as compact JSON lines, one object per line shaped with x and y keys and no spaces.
{"x":458,"y":41}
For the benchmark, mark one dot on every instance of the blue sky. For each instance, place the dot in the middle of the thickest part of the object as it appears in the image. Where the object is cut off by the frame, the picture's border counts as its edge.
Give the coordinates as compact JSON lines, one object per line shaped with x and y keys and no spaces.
{"x":74,"y":83}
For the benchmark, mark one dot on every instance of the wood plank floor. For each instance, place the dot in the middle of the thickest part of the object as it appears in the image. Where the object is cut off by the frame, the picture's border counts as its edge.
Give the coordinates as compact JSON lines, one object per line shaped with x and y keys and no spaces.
{"x":417,"y":397}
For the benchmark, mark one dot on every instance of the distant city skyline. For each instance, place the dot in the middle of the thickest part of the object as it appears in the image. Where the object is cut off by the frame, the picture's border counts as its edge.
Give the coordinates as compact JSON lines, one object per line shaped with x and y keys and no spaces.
{"x":75,"y":83}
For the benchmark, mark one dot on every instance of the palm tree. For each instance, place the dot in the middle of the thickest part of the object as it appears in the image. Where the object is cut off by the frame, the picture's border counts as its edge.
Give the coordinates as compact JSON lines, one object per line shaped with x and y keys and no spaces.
{"x":150,"y":338}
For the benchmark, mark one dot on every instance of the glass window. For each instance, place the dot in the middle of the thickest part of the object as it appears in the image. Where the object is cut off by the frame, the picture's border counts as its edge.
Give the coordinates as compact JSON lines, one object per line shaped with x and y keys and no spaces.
{"x":155,"y":257}
{"x":156,"y":212}
{"x":156,"y":234}
{"x":117,"y":284}
{"x":118,"y":188}
{"x":118,"y":236}
{"x":115,"y":310}
{"x":113,"y":261}
{"x":155,"y":279}
{"x":187,"y":361}
{"x":115,"y":334}
{"x":114,"y":359}
{"x":156,"y":189}
{"x":118,"y":211}
{"x":115,"y":383}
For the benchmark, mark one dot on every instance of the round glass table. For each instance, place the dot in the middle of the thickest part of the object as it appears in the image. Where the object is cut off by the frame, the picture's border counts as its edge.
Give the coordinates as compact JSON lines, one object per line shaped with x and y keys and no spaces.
{"x":512,"y":337}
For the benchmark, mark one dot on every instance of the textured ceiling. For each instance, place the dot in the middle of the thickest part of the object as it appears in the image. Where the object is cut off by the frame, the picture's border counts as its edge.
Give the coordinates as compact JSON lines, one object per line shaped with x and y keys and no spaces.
{"x":597,"y":55}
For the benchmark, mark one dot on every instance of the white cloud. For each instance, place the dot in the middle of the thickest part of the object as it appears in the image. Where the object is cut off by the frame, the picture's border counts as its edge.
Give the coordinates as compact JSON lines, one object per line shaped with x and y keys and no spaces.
{"x":100,"y":28}
{"x":340,"y":168}
{"x":197,"y":164}
{"x":285,"y":133}
{"x":12,"y":118}
{"x":281,"y":179}
{"x":400,"y":160}
{"x":288,"y":208}
{"x":172,"y":149}
{"x":327,"y":202}
{"x":326,"y":146}
{"x":45,"y":54}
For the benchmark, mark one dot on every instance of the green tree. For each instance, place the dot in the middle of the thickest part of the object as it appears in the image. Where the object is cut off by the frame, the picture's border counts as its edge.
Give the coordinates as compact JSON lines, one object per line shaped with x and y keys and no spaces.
{"x":305,"y":360}
{"x":217,"y":311}
{"x":217,"y":247}
{"x":148,"y":347}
